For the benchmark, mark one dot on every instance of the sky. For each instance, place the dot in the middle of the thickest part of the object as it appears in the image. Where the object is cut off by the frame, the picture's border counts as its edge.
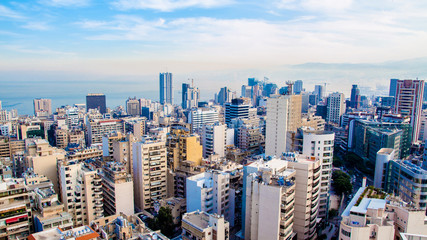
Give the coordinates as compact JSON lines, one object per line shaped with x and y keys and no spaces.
{"x":215,"y":42}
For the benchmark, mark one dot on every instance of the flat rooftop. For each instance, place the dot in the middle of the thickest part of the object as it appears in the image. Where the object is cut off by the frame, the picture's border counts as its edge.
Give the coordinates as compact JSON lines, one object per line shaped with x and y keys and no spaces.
{"x":199,"y":220}
{"x":369,"y":203}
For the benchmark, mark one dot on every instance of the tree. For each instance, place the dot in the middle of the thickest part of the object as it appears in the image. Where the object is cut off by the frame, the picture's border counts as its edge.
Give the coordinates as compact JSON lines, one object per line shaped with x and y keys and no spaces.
{"x":341,"y":182}
{"x":163,"y":221}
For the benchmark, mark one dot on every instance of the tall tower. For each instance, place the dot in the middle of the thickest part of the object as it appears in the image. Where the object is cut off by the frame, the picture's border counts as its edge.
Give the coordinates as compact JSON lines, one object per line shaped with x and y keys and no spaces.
{"x":355,"y":97}
{"x":392,"y":91}
{"x":96,"y":101}
{"x":336,"y":107}
{"x":298,"y":86}
{"x":166,"y":91}
{"x":319,"y":90}
{"x":408,"y":102}
{"x":190,"y":96}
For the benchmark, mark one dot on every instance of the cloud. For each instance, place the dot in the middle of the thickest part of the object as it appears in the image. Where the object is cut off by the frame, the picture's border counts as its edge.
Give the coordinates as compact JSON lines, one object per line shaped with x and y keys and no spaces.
{"x":66,"y":3}
{"x":39,"y":26}
{"x":169,"y":5}
{"x":9,"y":13}
{"x":36,"y":51}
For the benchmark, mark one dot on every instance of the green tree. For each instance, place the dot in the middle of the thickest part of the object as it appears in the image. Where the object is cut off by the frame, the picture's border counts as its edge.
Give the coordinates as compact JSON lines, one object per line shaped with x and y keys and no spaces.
{"x":163,"y":222}
{"x":341,"y":182}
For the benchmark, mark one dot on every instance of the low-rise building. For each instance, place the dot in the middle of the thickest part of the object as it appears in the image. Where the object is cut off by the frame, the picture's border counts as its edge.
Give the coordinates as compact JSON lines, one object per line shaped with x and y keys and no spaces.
{"x":200,"y":225}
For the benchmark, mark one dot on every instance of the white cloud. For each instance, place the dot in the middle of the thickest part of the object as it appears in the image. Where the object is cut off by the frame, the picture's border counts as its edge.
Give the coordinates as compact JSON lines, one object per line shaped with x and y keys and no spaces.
{"x":66,"y":3}
{"x":39,"y":26}
{"x":169,"y":5}
{"x":9,"y":13}
{"x":36,"y":51}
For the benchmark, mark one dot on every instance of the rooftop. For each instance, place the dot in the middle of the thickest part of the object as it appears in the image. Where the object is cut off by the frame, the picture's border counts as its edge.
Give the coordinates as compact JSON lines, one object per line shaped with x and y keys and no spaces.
{"x":369,"y":203}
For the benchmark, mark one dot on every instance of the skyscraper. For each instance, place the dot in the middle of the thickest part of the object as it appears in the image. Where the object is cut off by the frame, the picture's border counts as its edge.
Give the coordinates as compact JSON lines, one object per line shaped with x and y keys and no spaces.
{"x":408,"y":102}
{"x":166,"y":90}
{"x":190,"y":96}
{"x":133,"y":107}
{"x":239,"y":107}
{"x":96,"y":101}
{"x":392,"y":91}
{"x":355,"y":97}
{"x":319,"y":90}
{"x":335,"y":107}
{"x":298,"y":86}
{"x":42,"y":106}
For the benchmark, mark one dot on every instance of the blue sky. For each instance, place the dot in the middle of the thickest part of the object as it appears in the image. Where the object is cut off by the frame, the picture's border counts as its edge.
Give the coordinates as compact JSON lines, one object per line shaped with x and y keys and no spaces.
{"x":217,"y":42}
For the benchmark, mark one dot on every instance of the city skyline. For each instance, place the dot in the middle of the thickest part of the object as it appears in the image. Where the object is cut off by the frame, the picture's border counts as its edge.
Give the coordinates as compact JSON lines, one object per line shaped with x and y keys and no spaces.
{"x":214,"y":42}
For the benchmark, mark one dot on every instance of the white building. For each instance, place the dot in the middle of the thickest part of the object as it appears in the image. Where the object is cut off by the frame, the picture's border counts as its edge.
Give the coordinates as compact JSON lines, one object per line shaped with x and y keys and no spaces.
{"x":199,"y":117}
{"x":149,"y":178}
{"x":214,"y":139}
{"x":210,"y":192}
{"x":320,"y":144}
{"x":200,"y":225}
{"x":277,"y":125}
{"x":336,"y":107}
{"x":384,"y":155}
{"x":268,"y":200}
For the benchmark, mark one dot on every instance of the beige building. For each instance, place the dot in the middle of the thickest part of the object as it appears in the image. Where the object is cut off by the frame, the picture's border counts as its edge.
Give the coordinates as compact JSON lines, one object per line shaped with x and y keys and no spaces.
{"x":78,"y":233}
{"x":117,"y":188}
{"x":149,"y":164}
{"x":15,"y":210}
{"x":43,"y":159}
{"x":81,"y":191}
{"x":177,"y":206}
{"x":108,"y":140}
{"x":201,"y":225}
{"x":183,"y":147}
{"x":77,"y":137}
{"x":84,"y":154}
{"x":122,"y":152}
{"x":307,"y":193}
{"x":268,"y":200}
{"x":61,"y":137}
{"x":372,"y":215}
{"x":96,"y":129}
{"x":42,"y":107}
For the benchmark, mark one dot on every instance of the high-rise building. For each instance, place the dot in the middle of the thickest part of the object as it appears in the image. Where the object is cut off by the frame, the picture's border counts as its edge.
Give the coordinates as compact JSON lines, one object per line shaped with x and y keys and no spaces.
{"x":336,"y":107}
{"x":202,"y":116}
{"x":190,"y":96}
{"x":252,"y":81}
{"x":183,"y":147}
{"x":384,"y":155}
{"x":149,"y":182}
{"x":246,"y":91}
{"x":298,"y":87}
{"x":225,"y":95}
{"x":319,"y":90}
{"x":96,"y":101}
{"x":166,"y":88}
{"x":393,"y":86}
{"x":320,"y":144}
{"x":268,"y":200}
{"x":117,"y":188}
{"x":408,"y":102}
{"x":80,"y":191}
{"x":98,"y":128}
{"x":355,"y":97}
{"x":42,"y":107}
{"x":210,"y":192}
{"x":239,"y":107}
{"x":133,"y":107}
{"x":214,"y":139}
{"x":283,"y":116}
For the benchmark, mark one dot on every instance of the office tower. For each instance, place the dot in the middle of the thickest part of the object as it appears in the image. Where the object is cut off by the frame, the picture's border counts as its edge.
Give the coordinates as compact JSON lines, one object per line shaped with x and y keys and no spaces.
{"x":15,"y":209}
{"x":214,"y":139}
{"x":319,"y":90}
{"x":202,"y":116}
{"x":201,"y":225}
{"x":298,"y":87}
{"x":336,"y":107}
{"x":117,"y":188}
{"x":166,"y":88}
{"x":384,"y":155}
{"x":210,"y":192}
{"x":252,"y":82}
{"x":190,"y":96}
{"x":393,"y":86}
{"x":96,"y":101}
{"x":80,"y":191}
{"x":408,"y":102}
{"x":149,"y":182}
{"x":96,"y":129}
{"x":246,"y":91}
{"x":42,"y":107}
{"x":320,"y":144}
{"x":43,"y":158}
{"x":268,"y":200}
{"x":239,"y":107}
{"x":355,"y":97}
{"x":183,"y":147}
{"x":225,"y":95}
{"x":133,"y":107}
{"x":283,"y":116}
{"x":270,"y":89}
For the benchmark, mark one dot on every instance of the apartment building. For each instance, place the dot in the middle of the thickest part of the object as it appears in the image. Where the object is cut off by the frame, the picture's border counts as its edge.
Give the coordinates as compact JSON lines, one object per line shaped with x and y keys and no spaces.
{"x":201,"y":225}
{"x":96,"y":129}
{"x":183,"y":147}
